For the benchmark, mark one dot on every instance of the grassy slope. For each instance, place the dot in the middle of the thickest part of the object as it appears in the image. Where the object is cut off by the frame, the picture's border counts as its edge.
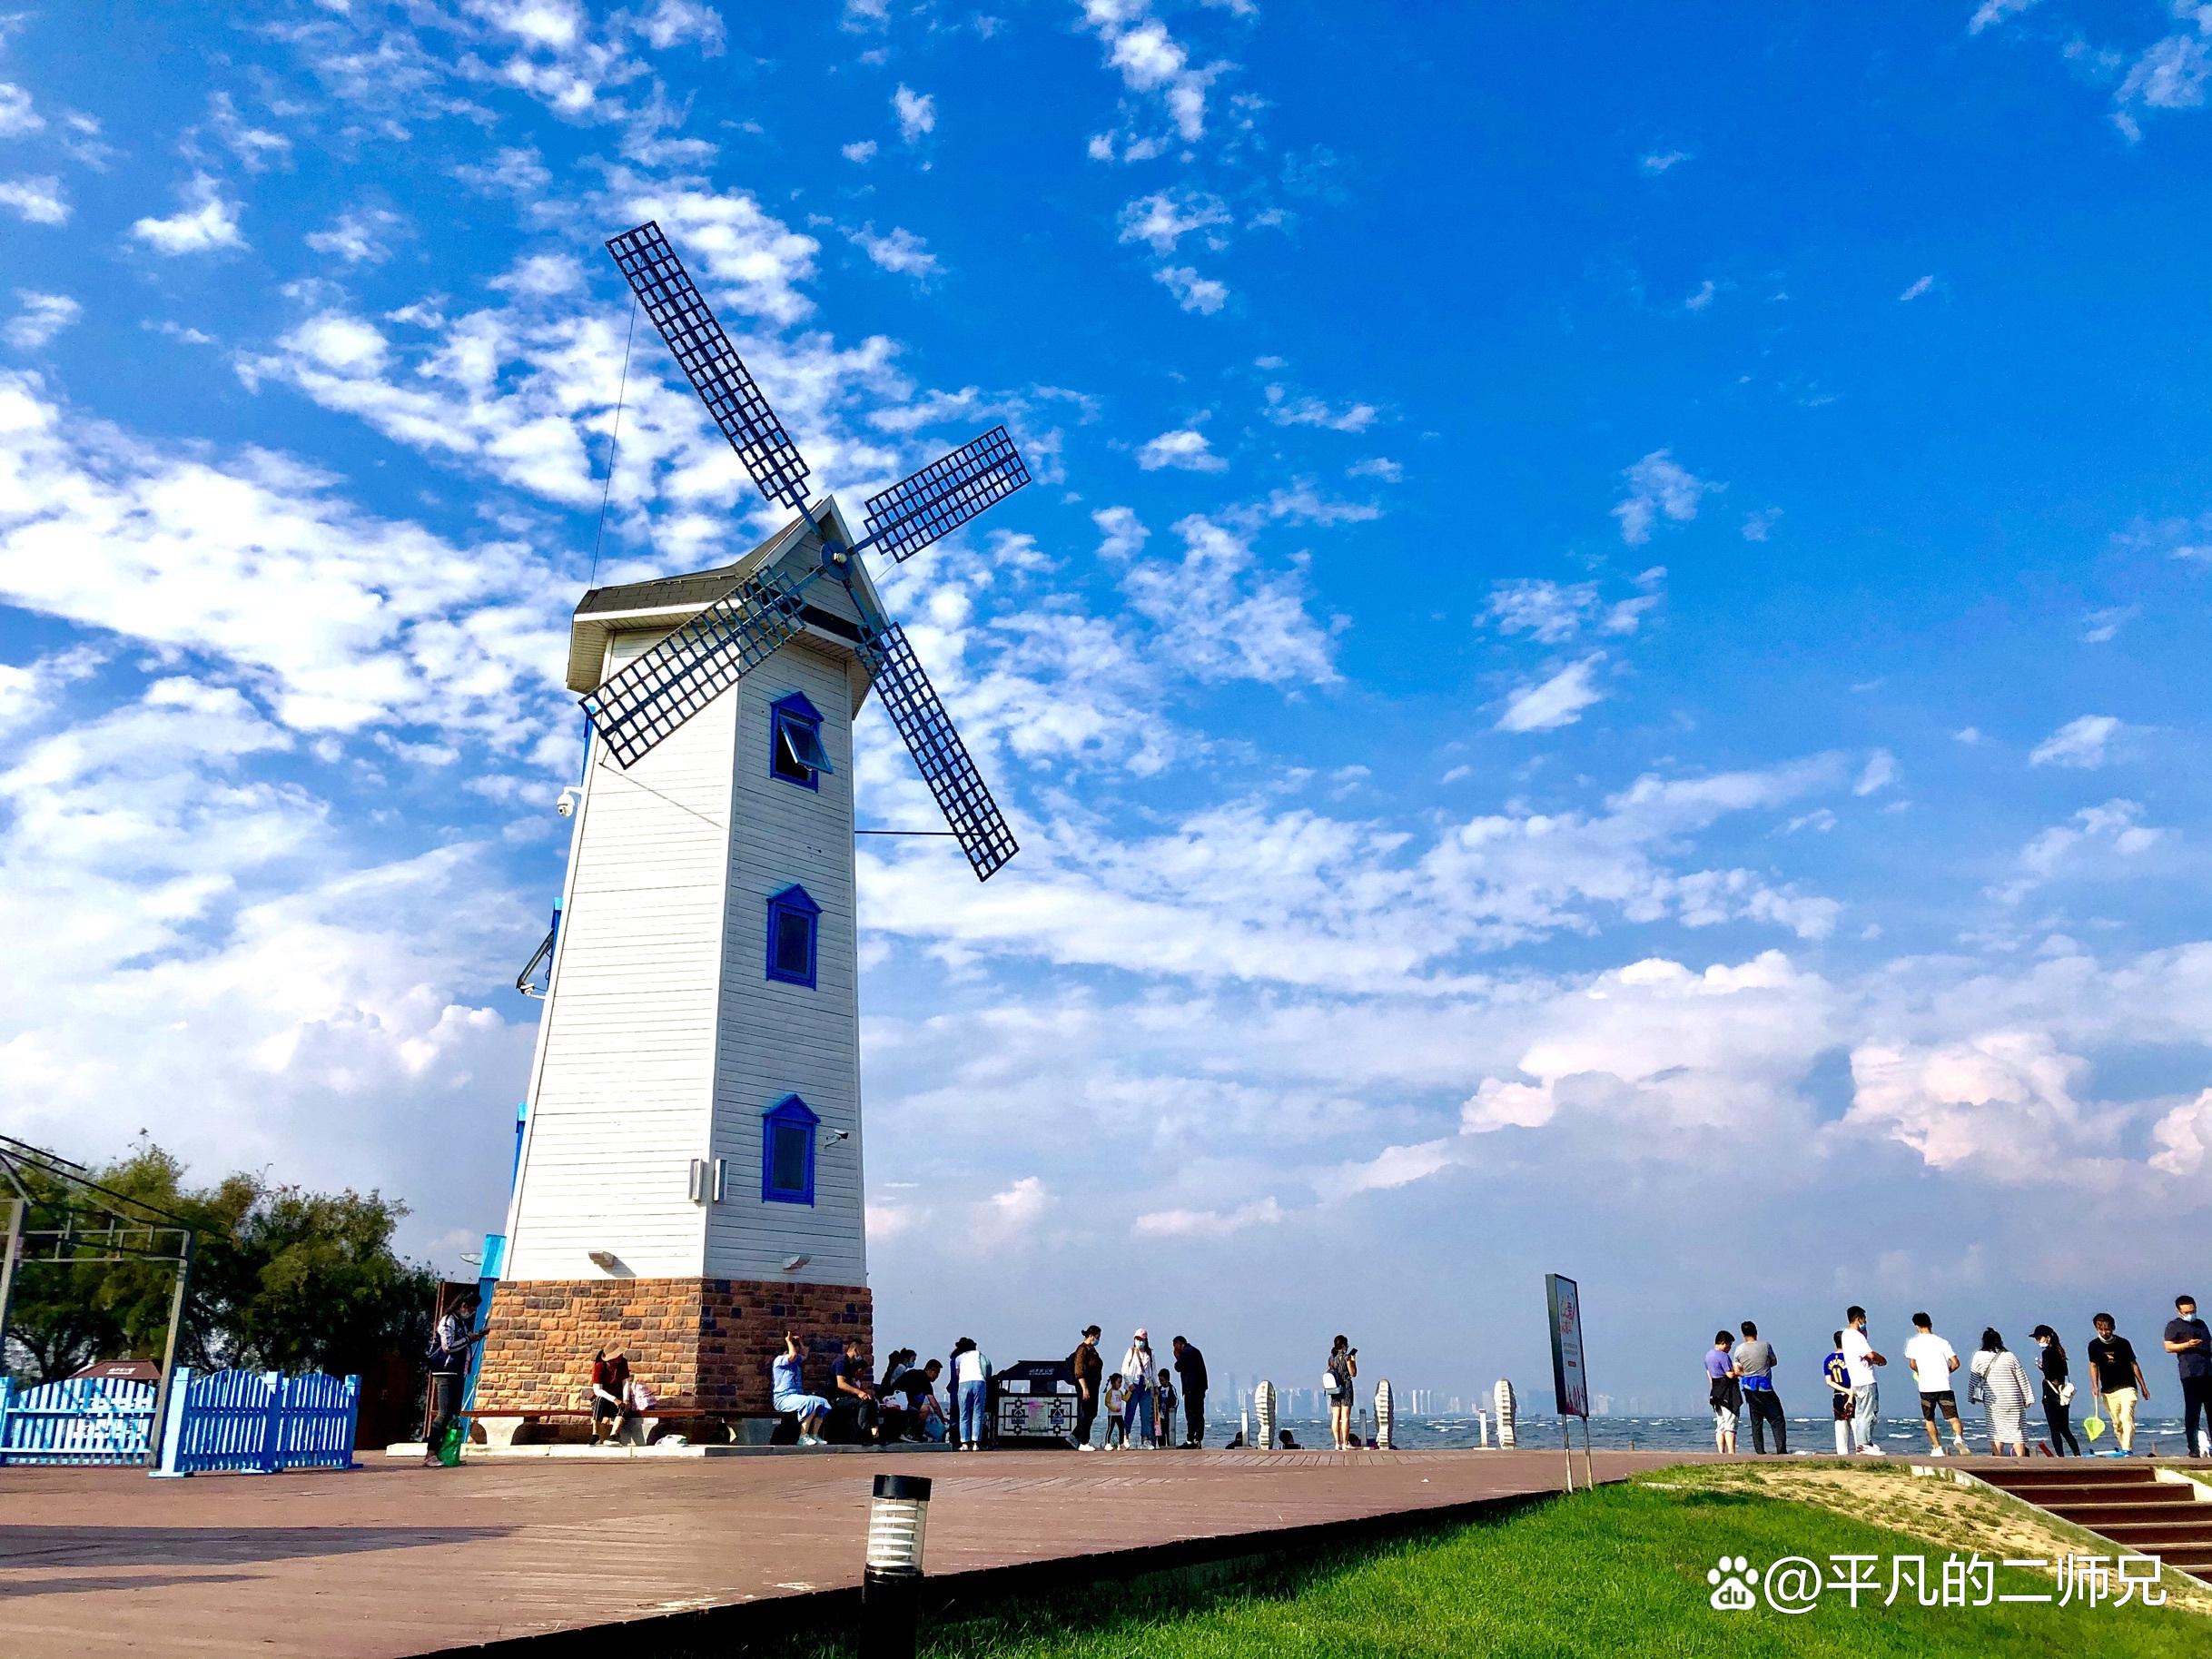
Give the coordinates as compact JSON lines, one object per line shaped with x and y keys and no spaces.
{"x":1615,"y":1573}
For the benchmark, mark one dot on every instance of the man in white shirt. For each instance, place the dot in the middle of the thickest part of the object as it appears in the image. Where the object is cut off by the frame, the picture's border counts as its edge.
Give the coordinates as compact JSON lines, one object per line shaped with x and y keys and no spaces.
{"x":1933,"y":1360}
{"x":1860,"y":1360}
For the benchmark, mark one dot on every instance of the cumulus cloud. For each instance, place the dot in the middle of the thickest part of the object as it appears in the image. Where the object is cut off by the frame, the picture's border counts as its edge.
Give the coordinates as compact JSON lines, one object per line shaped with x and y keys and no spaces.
{"x":1658,"y":486}
{"x":358,"y":236}
{"x":39,"y":200}
{"x":917,"y":113}
{"x":895,"y":250}
{"x":1193,"y":292}
{"x":2004,"y":1101}
{"x":1184,"y":449}
{"x":1152,"y":63}
{"x":207,"y":221}
{"x":1162,"y":219}
{"x":1284,"y":410}
{"x":1206,"y":1223}
{"x":1990,"y":12}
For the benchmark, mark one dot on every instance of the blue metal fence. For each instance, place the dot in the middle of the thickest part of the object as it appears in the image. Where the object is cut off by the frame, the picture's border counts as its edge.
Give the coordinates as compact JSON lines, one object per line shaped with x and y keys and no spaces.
{"x":90,"y":1421}
{"x":258,"y":1422}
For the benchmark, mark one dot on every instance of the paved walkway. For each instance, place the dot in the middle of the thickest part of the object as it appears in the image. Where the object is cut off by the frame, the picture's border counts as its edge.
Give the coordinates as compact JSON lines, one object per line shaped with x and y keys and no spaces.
{"x":396,"y":1560}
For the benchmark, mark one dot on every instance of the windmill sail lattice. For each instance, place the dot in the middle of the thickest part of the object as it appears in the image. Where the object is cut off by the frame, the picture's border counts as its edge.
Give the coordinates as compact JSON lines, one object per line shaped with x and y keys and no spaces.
{"x":914,"y":706}
{"x":642,"y":703}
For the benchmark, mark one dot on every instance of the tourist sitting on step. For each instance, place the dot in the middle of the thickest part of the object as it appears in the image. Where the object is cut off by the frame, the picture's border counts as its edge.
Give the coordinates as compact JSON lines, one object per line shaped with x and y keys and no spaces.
{"x":788,"y":1392}
{"x":855,"y":1411}
{"x":608,"y":1377}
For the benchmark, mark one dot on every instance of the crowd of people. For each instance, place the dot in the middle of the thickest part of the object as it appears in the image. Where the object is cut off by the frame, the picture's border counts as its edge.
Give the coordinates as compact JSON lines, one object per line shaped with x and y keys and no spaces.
{"x":1140,"y":1400}
{"x":1740,"y":1377}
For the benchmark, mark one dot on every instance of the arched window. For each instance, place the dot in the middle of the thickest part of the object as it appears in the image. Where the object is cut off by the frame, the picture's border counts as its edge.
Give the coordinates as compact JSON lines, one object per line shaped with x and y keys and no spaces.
{"x":788,"y":1152}
{"x":793,"y":925}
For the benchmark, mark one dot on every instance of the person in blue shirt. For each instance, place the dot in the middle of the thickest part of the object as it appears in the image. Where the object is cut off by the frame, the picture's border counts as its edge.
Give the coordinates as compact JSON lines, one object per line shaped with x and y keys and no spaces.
{"x":1835,"y":1371}
{"x":788,"y":1392}
{"x":1755,"y":1363}
{"x":1723,"y":1393}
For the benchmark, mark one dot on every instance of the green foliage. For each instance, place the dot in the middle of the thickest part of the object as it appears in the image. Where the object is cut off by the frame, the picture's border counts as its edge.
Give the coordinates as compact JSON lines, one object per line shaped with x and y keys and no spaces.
{"x":282,"y":1279}
{"x":1619,"y":1571}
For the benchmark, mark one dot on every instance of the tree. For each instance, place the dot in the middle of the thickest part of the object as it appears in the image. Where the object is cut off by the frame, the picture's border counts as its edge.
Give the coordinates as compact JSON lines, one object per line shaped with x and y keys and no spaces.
{"x":282,"y":1279}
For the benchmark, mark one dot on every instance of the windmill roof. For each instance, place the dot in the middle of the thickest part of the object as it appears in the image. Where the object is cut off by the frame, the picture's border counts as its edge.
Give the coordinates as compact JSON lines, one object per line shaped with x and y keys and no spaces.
{"x":668,"y":600}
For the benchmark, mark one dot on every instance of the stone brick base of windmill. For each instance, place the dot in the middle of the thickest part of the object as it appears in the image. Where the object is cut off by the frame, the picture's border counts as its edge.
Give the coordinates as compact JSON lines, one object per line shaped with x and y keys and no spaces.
{"x":703,"y":1346}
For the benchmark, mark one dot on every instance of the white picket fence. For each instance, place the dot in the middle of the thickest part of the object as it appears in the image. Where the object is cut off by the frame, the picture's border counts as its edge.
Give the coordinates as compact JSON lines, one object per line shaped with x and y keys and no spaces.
{"x":84,"y":1420}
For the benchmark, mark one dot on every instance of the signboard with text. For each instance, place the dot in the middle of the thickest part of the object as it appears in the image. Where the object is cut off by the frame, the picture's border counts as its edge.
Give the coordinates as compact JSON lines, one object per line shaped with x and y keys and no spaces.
{"x":1570,"y":1380}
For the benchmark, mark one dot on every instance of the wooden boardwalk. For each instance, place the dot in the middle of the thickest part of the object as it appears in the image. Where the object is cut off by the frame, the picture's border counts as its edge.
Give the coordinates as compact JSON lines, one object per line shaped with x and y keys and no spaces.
{"x":395,"y":1559}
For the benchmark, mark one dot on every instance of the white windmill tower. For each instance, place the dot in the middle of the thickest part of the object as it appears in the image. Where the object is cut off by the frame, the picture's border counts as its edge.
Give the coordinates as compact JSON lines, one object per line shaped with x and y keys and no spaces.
{"x":688,"y":1185}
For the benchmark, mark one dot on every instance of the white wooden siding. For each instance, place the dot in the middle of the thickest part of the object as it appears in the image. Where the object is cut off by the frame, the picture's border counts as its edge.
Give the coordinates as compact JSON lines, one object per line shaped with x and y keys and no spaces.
{"x":663,"y":1040}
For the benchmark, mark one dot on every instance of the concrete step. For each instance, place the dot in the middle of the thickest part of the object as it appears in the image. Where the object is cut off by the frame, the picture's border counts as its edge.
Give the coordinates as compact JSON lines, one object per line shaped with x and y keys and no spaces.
{"x":2123,"y":1498}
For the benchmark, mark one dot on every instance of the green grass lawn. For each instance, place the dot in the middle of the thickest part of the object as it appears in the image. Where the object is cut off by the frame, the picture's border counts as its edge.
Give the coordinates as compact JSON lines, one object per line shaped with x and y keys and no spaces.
{"x":1619,"y":1573}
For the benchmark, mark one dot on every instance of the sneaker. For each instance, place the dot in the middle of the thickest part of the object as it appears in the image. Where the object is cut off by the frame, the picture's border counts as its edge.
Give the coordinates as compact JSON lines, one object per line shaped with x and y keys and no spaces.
{"x":1959,"y":1449}
{"x":1870,"y":1451}
{"x":1084,"y":1447}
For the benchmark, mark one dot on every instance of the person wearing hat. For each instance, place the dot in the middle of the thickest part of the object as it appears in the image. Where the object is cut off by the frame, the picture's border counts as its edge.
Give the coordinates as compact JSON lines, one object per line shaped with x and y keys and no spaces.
{"x":1089,"y":1375}
{"x":1137,"y":1366}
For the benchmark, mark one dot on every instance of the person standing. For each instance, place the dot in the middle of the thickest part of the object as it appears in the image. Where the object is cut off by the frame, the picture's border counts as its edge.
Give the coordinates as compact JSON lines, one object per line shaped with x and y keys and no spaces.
{"x":1090,"y":1376}
{"x":1932,"y":1361}
{"x":970,"y":1380}
{"x":1190,"y":1366}
{"x":449,"y":1359}
{"x":1860,"y":1360}
{"x":2118,"y":1377}
{"x":1163,"y":1409}
{"x":1835,"y":1371}
{"x":1337,"y":1383}
{"x":2058,"y":1391}
{"x":1723,"y":1393}
{"x":1117,"y":1413}
{"x":2002,"y":1382}
{"x":1755,"y":1362}
{"x":1137,"y":1373}
{"x":2189,"y":1340}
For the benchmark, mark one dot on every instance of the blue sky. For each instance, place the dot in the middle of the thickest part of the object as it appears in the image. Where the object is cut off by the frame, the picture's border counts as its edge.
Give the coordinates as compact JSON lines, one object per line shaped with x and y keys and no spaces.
{"x":1603,"y":672}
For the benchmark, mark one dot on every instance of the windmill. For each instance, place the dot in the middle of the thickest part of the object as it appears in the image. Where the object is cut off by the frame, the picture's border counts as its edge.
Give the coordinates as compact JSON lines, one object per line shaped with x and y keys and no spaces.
{"x":689,"y":1182}
{"x":634,"y":709}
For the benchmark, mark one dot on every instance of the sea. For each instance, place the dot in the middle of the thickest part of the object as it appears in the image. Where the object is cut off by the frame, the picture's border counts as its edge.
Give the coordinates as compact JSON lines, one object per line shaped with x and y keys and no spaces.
{"x":2154,"y":1436}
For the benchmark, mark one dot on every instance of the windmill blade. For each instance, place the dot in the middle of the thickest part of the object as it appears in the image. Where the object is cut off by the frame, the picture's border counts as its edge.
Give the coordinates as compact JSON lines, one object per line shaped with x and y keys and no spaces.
{"x":962,"y":794}
{"x":648,"y":699}
{"x":945,"y":494}
{"x":679,"y":310}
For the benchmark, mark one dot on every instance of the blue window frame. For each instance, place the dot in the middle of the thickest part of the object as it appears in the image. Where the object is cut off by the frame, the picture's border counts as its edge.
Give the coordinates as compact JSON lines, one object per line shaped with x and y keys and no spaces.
{"x":793,"y":924}
{"x":788,"y":1152}
{"x":795,"y":754}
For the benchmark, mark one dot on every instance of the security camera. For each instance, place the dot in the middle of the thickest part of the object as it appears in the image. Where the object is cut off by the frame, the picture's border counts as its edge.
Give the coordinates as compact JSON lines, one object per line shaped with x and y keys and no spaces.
{"x":566,"y":806}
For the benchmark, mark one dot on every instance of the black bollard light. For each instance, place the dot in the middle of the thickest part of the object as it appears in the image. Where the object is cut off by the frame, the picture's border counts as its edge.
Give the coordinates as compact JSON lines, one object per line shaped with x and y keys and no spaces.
{"x":891,"y":1584}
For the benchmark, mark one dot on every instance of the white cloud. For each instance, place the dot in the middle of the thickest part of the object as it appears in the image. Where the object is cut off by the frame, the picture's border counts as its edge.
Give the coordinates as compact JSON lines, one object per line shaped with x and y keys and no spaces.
{"x":357,"y":236}
{"x":1378,"y":467}
{"x":339,"y":619}
{"x":2003,"y":1102}
{"x":18,"y":119}
{"x":917,"y":113}
{"x":1164,"y":218}
{"x":1558,"y":701}
{"x":1287,"y":410}
{"x":1226,"y":618}
{"x":1758,"y":526}
{"x":1916,"y":288}
{"x":1206,"y":1223}
{"x":2183,"y":1136}
{"x":2084,"y":743}
{"x":1152,"y":61}
{"x":896,"y":249}
{"x":1880,"y":771}
{"x":39,"y":200}
{"x":1657,"y":161}
{"x":1185,"y":448}
{"x":862,"y":151}
{"x":2116,"y":826}
{"x":256,"y":148}
{"x":1992,"y":12}
{"x":1702,"y":297}
{"x":1122,"y":533}
{"x":1193,"y":292}
{"x":2170,"y":75}
{"x":2100,"y":626}
{"x":207,"y":221}
{"x":1658,"y":486}
{"x":41,"y":318}
{"x":1550,"y":611}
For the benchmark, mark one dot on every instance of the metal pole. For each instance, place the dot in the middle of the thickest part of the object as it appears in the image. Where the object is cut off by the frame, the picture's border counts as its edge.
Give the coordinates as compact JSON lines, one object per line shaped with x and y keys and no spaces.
{"x":1566,"y":1439}
{"x":169,"y":1351}
{"x":7,"y":1271}
{"x":1589,"y":1479}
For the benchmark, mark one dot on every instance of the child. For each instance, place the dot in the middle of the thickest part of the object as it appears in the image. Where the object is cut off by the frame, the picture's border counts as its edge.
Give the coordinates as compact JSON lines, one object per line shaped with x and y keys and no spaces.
{"x":1117,"y":1400}
{"x":1163,"y":1409}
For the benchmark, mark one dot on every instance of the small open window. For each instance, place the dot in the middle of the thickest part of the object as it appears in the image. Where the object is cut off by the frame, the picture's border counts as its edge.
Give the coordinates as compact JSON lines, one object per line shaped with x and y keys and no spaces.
{"x":793,"y":927}
{"x":788,"y":1152}
{"x":795,"y":754}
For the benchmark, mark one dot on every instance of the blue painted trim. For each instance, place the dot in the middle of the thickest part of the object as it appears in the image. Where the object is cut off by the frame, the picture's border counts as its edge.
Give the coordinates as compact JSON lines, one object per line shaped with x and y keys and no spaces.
{"x":793,"y":710}
{"x":795,"y":901}
{"x":790,"y":1113}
